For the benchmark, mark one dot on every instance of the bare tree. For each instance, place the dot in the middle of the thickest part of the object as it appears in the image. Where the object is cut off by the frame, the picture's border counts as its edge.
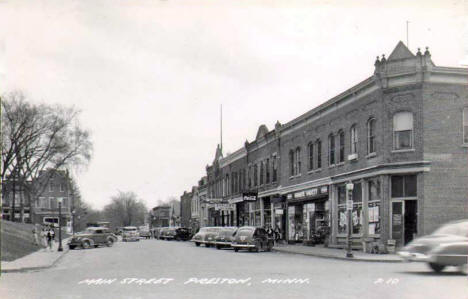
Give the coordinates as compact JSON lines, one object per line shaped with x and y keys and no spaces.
{"x":36,"y":137}
{"x":125,"y":209}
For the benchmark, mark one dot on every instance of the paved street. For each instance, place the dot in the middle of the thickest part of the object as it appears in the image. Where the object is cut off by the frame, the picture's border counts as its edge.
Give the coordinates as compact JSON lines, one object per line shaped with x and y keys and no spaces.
{"x":177,"y":269}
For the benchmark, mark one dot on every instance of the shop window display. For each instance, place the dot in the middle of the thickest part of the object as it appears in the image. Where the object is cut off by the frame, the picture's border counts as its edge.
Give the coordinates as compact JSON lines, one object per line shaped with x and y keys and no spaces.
{"x":374,"y":206}
{"x":356,"y":213}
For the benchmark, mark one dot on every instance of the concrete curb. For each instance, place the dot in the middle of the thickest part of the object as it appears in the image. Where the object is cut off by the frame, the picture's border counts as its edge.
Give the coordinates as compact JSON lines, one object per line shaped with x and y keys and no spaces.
{"x":328,"y":256}
{"x":50,"y":265}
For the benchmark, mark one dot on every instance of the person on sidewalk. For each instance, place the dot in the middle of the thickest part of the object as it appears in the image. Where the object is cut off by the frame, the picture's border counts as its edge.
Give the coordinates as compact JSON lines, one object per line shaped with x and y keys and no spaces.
{"x":44,"y":238}
{"x":35,"y":232}
{"x":50,"y":237}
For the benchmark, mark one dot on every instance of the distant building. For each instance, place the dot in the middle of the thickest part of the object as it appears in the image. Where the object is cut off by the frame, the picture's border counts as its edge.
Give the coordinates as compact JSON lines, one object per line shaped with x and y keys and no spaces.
{"x":185,"y":209}
{"x":160,"y":216}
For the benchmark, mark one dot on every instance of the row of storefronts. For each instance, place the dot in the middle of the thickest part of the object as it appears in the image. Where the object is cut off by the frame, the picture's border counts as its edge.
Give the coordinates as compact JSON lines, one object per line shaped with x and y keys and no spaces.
{"x":376,"y":161}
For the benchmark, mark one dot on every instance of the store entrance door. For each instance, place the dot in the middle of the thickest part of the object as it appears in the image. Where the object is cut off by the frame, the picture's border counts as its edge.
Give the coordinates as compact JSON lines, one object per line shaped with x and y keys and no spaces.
{"x":404,"y":221}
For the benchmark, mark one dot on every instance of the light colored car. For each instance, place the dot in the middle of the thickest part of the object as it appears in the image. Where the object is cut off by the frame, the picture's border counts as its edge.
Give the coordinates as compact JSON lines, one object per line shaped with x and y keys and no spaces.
{"x":205,"y":235}
{"x":225,"y":237}
{"x":130,"y":233}
{"x":447,"y":246}
{"x":144,"y":232}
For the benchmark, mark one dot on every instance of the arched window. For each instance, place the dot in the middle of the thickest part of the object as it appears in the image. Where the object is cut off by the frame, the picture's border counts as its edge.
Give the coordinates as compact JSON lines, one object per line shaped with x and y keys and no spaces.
{"x":354,"y":139}
{"x":310,"y":149}
{"x":331,"y":149}
{"x":342,"y":143}
{"x":371,"y":136}
{"x":403,"y":130}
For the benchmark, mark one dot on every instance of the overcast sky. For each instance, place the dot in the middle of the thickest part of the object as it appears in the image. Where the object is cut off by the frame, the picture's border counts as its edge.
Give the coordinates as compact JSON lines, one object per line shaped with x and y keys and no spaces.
{"x":150,"y":76}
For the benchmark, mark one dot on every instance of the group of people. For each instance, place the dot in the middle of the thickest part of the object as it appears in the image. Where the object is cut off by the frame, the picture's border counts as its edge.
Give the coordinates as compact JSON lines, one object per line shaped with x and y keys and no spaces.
{"x":44,"y":236}
{"x":274,"y":234}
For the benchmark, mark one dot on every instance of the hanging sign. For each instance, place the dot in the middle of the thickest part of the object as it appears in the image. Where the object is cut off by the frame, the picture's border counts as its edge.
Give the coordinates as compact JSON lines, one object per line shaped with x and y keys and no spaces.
{"x":349,"y":205}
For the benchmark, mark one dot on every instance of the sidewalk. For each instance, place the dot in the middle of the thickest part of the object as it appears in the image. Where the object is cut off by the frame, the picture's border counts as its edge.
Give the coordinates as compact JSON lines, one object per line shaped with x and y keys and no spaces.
{"x":40,"y":259}
{"x":320,"y":251}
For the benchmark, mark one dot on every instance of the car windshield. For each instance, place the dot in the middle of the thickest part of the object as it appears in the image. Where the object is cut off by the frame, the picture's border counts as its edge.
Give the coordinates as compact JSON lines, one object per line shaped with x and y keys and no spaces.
{"x":458,"y":229}
{"x":245,"y":232}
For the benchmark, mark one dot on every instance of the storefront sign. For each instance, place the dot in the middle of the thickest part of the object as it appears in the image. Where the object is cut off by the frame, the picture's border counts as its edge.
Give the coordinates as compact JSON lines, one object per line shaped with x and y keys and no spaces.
{"x":349,"y":205}
{"x":250,"y":196}
{"x":279,"y":212}
{"x":224,"y":207}
{"x":324,"y":189}
{"x":311,"y":192}
{"x":236,"y":200}
{"x":290,"y":196}
{"x":299,"y":194}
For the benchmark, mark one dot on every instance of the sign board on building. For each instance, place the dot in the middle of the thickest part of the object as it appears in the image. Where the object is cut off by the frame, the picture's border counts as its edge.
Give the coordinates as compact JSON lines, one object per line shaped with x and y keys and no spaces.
{"x":279,"y":211}
{"x":236,"y":200}
{"x":311,"y":192}
{"x":224,"y":207}
{"x":324,"y":189}
{"x":299,"y":194}
{"x":349,"y":205}
{"x":290,"y":196}
{"x":250,"y":196}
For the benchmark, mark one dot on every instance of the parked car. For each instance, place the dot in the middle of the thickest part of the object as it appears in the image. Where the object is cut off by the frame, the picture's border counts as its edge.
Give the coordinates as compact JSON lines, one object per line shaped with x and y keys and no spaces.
{"x":252,"y":238}
{"x":162,"y":232}
{"x":447,"y":246}
{"x":169,"y":233}
{"x":183,"y":234}
{"x":130,"y":233}
{"x":92,"y":237}
{"x":157,"y":232}
{"x":200,"y":237}
{"x":210,"y":236}
{"x":144,"y":232}
{"x":225,"y":237}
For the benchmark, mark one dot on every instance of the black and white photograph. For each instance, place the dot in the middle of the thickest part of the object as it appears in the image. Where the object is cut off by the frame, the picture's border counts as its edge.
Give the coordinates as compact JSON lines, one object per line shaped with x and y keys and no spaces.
{"x":234,"y":149}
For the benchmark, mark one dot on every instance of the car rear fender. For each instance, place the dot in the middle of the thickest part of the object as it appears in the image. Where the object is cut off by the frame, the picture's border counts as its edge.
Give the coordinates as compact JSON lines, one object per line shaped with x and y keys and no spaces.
{"x":456,"y":248}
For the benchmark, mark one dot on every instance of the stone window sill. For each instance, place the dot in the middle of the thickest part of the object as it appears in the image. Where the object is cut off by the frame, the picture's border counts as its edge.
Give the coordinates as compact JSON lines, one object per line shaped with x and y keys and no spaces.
{"x":371,"y":155}
{"x":403,"y":151}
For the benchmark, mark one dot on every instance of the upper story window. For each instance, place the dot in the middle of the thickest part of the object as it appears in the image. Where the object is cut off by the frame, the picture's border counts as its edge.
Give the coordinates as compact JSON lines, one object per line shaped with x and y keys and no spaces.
{"x":341,"y":137}
{"x":310,"y":149}
{"x":318,"y":144}
{"x":354,"y":139}
{"x":262,"y":170}
{"x":249,"y":176}
{"x":275,"y":169}
{"x":371,"y":136}
{"x":267,"y":169}
{"x":291,"y":162}
{"x":51,"y":186}
{"x":298,"y":160}
{"x":255,"y":175}
{"x":62,"y":187}
{"x":403,"y":130}
{"x":331,"y":149}
{"x":465,"y":125}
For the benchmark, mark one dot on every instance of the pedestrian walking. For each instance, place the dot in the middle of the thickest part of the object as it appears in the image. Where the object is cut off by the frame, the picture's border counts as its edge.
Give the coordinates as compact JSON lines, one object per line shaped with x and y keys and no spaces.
{"x":36,"y":233}
{"x":44,"y":238}
{"x":50,"y":238}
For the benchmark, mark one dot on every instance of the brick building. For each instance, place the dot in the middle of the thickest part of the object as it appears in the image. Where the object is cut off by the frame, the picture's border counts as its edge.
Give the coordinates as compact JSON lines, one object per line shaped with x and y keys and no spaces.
{"x":400,"y":137}
{"x":186,"y":209}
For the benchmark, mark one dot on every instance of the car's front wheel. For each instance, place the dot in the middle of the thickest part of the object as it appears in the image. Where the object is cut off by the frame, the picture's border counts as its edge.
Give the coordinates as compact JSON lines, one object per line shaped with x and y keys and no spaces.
{"x":86,"y":245}
{"x":197,"y":244}
{"x":110,"y":242}
{"x":236,"y":249}
{"x":71,"y":246}
{"x":436,"y":267}
{"x":218,"y":247}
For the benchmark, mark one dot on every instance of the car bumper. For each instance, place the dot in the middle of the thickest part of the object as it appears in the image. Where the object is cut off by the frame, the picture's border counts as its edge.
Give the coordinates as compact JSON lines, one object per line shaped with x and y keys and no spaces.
{"x":413,"y":256}
{"x":198,"y":241}
{"x":242,"y":245}
{"x":222,"y":243}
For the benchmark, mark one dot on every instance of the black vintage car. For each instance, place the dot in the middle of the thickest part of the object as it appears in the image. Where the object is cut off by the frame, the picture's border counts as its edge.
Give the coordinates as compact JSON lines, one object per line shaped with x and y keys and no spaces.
{"x":183,"y":234}
{"x":93,"y":237}
{"x":252,"y":238}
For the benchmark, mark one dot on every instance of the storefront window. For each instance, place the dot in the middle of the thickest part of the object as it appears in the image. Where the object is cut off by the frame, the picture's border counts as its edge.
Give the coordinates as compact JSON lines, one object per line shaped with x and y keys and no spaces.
{"x":404,"y":186}
{"x":374,"y":206}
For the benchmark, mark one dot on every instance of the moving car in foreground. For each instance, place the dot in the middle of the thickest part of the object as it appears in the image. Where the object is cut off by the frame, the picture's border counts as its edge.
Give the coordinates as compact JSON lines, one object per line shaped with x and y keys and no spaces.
{"x":92,"y":237}
{"x":225,"y":237}
{"x":130,"y":233}
{"x":447,"y":246}
{"x":252,"y":238}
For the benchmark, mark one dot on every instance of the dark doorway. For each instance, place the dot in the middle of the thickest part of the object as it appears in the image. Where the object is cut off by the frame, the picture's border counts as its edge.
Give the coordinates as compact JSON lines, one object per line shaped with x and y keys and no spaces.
{"x":411,"y":220}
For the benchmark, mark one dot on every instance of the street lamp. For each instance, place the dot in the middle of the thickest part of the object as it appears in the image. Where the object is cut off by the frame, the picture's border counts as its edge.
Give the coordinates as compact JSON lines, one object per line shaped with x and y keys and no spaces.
{"x":73,"y":222}
{"x":349,"y":208}
{"x":60,"y":248}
